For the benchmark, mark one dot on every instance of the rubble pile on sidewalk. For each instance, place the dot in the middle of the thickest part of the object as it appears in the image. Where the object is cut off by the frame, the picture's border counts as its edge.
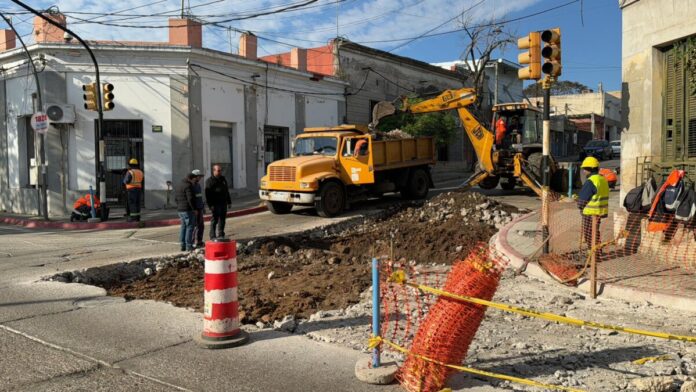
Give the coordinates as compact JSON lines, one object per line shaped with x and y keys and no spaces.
{"x":323,"y":269}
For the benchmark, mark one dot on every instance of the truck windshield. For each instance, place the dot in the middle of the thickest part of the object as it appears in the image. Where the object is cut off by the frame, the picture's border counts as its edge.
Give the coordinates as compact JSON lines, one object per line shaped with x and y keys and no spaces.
{"x":315,"y":146}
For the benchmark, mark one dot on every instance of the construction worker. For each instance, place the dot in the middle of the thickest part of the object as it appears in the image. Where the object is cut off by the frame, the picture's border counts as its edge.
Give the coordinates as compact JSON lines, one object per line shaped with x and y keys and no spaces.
{"x":199,"y":210}
{"x":134,"y":186}
{"x":593,"y":199}
{"x":500,"y":129}
{"x":82,"y":208}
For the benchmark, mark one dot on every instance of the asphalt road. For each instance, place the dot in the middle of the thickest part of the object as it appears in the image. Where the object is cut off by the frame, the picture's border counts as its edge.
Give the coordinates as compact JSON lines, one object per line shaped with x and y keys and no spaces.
{"x":56,"y":336}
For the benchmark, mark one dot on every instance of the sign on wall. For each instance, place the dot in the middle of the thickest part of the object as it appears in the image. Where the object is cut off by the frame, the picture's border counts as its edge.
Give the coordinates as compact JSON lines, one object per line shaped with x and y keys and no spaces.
{"x":39,"y":121}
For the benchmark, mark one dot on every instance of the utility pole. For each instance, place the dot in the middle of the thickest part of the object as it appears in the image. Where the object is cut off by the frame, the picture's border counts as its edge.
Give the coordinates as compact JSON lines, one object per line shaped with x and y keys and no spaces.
{"x":38,"y":106}
{"x":98,"y":132}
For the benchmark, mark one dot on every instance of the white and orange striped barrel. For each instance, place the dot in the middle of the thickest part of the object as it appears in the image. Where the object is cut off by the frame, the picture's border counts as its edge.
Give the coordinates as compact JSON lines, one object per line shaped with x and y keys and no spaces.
{"x":221,"y":303}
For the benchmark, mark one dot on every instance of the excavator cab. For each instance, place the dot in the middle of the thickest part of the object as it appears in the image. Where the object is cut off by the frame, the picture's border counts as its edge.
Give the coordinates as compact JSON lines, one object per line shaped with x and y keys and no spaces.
{"x":523,"y":124}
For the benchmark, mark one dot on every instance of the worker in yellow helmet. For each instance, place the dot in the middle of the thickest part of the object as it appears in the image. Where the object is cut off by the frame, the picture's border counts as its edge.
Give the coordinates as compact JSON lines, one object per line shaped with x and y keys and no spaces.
{"x":593,"y":199}
{"x":134,"y":187}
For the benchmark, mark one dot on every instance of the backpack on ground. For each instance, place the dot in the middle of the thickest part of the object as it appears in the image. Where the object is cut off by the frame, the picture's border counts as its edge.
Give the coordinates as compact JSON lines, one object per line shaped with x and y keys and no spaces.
{"x":687,"y":204}
{"x":649,"y":191}
{"x":672,"y":196}
{"x":633,"y":202}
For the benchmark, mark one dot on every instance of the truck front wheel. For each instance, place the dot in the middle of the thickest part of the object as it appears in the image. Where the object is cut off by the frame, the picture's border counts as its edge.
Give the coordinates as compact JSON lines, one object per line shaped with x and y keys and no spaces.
{"x":278,"y":207}
{"x":332,"y":198}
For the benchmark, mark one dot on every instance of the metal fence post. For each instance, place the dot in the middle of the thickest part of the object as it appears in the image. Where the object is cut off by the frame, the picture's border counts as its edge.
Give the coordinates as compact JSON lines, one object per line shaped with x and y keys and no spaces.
{"x":375,"y":311}
{"x":593,"y":257}
{"x":570,"y":180}
{"x":91,"y":202}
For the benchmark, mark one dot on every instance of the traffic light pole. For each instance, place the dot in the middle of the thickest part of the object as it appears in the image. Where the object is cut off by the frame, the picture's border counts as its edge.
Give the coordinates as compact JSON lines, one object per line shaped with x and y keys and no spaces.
{"x":546,"y":165}
{"x":98,"y":132}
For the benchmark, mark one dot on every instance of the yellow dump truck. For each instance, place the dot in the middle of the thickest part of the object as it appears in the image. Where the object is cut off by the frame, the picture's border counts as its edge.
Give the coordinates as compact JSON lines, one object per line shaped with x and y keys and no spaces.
{"x":331,"y":167}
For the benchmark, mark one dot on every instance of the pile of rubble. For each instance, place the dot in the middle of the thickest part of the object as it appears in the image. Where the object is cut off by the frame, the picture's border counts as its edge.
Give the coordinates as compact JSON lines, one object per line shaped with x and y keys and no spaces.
{"x":288,"y":278}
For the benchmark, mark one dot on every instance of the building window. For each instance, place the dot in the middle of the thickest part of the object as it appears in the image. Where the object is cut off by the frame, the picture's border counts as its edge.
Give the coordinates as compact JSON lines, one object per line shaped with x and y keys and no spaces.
{"x":27,"y":152}
{"x":276,"y":143}
{"x":123,"y":140}
{"x":222,"y":137}
{"x":679,"y":107}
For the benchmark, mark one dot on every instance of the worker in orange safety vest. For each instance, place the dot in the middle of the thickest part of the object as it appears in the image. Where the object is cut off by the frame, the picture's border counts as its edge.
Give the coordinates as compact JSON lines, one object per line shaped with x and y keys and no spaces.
{"x":83,"y":207}
{"x":134,"y":187}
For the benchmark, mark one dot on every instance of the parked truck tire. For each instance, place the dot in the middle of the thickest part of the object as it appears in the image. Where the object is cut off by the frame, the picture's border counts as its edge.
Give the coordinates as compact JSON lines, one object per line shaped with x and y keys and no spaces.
{"x":418,"y":185}
{"x":278,"y":207}
{"x":332,"y":199}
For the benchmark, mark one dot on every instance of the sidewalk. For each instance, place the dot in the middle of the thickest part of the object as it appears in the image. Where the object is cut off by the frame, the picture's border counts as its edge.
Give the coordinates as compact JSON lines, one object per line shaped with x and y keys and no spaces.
{"x":243,"y":205}
{"x":518,"y":242}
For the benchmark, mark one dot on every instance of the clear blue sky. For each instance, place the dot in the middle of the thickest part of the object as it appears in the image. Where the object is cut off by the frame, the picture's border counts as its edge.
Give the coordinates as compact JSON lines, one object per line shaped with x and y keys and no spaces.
{"x":591,"y":50}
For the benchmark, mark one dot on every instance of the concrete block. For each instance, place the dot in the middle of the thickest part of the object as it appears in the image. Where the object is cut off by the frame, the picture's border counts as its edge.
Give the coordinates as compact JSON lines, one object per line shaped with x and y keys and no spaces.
{"x":115,"y":331}
{"x":33,"y":299}
{"x":272,"y":361}
{"x":24,"y":361}
{"x":101,"y":380}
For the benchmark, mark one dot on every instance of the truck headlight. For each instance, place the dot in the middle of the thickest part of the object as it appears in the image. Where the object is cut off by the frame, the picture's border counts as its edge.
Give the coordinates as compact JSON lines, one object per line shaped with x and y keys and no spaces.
{"x":305,"y":185}
{"x":263,"y":184}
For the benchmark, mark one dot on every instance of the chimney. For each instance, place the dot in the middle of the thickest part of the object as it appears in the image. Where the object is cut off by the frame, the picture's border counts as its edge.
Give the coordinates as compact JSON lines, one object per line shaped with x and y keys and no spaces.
{"x":185,"y":32}
{"x":247,"y":46}
{"x":298,"y":59}
{"x":7,"y":40}
{"x":46,"y":32}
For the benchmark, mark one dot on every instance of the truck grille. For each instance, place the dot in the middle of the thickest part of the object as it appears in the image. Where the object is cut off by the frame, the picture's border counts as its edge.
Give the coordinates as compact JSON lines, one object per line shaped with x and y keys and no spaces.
{"x":282,"y":173}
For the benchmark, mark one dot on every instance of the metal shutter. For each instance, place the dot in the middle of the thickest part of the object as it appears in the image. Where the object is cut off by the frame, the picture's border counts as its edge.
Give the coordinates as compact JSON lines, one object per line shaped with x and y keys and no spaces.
{"x":669,"y":103}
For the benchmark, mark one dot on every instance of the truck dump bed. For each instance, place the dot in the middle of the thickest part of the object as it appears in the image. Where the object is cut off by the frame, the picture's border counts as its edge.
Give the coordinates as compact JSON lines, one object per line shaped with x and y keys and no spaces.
{"x":393,"y":154}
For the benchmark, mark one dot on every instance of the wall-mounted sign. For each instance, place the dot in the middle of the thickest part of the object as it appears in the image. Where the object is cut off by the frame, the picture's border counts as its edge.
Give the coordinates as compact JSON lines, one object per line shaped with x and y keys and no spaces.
{"x":157,"y":128}
{"x":39,"y":121}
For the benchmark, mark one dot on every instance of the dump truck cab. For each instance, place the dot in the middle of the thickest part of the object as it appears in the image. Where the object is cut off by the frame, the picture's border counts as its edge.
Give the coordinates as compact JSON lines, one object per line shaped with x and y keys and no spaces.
{"x":331,"y":166}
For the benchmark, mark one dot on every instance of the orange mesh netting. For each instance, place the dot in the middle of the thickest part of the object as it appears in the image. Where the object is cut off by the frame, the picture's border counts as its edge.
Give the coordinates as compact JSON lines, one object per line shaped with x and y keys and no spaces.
{"x":449,"y":327}
{"x":649,"y":252}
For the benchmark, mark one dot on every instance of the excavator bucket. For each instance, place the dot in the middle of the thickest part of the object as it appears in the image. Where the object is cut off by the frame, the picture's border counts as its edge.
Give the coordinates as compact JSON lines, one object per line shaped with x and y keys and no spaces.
{"x":381,"y":110}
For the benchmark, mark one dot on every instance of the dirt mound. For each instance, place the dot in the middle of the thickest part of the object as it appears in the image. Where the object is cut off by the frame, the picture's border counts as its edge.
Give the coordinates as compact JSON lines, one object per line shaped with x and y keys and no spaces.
{"x":301,"y":274}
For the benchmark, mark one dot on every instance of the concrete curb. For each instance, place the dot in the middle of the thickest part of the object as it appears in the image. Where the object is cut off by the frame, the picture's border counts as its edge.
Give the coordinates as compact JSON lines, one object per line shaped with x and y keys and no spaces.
{"x":38,"y":224}
{"x":614,"y":291}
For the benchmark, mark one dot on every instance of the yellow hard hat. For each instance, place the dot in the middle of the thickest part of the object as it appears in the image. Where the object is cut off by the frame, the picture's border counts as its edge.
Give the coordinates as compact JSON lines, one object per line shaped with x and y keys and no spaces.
{"x":133,"y":161}
{"x":590,"y":163}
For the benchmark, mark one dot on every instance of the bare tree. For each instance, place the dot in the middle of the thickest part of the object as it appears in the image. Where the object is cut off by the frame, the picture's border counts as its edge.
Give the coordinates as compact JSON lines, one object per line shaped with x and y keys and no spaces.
{"x":484,"y":38}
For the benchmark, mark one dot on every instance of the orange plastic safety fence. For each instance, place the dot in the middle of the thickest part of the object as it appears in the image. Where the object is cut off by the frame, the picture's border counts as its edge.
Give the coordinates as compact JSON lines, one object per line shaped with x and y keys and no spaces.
{"x":449,"y":327}
{"x":649,"y":252}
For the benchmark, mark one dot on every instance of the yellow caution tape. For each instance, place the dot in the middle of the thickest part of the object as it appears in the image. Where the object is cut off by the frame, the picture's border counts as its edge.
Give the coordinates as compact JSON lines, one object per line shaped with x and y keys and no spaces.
{"x":549,"y":316}
{"x":374,"y":342}
{"x":467,"y":369}
{"x":643,"y":361}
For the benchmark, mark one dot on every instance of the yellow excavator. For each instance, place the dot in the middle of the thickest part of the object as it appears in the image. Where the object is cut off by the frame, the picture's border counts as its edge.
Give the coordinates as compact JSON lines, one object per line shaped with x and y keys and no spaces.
{"x":519,"y":159}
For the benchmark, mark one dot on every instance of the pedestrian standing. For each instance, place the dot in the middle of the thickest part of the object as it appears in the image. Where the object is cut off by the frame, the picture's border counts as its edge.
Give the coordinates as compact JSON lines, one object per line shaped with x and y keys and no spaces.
{"x":185,"y":205}
{"x":199,"y":212}
{"x":217,"y":195}
{"x":593,"y":199}
{"x":134,"y":187}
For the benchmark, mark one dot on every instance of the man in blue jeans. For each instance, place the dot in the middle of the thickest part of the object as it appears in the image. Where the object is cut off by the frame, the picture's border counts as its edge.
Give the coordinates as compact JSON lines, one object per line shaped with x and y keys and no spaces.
{"x":186,"y":206}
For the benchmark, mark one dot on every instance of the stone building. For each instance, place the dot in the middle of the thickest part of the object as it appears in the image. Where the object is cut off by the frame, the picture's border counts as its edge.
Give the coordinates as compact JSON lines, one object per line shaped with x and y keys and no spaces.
{"x":658,"y":88}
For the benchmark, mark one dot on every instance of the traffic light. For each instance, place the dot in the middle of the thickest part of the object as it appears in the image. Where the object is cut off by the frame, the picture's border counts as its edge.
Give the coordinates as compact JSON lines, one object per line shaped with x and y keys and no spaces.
{"x":107,"y":89}
{"x":90,"y":96}
{"x":532,"y":57}
{"x":551,"y":52}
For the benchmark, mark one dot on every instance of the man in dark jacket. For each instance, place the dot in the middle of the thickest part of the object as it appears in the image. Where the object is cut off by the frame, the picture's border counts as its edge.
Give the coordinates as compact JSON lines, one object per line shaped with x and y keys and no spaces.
{"x":217,"y":195}
{"x":199,"y":225}
{"x":185,"y":204}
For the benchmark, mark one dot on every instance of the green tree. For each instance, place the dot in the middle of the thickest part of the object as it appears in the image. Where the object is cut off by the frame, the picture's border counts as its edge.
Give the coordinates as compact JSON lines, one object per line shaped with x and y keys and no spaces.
{"x":563,"y":87}
{"x":440,"y":125}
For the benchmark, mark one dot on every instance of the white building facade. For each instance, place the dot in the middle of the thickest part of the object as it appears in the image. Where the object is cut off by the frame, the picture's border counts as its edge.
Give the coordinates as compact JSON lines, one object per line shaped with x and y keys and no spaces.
{"x":178,"y":107}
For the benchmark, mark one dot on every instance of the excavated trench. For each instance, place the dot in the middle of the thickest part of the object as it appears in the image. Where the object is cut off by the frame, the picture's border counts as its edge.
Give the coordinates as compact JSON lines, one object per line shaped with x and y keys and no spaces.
{"x":321,"y":269}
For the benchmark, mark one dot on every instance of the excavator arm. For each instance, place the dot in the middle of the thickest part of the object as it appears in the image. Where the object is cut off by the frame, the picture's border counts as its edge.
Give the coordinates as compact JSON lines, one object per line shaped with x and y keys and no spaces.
{"x":481,"y":138}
